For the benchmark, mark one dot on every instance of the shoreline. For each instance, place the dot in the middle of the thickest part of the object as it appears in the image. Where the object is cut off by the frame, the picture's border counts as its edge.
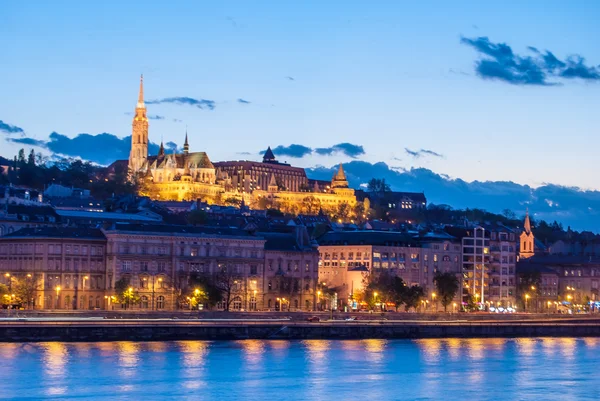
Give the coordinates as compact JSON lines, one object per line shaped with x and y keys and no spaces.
{"x":19,"y":330}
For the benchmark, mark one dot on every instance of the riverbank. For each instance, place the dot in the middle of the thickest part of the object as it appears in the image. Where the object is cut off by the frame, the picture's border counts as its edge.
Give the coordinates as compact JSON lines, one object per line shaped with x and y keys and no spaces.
{"x":101,"y":329}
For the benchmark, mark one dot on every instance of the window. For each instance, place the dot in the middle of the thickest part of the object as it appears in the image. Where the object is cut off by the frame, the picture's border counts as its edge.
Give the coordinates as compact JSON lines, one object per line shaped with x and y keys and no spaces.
{"x":253,"y":269}
{"x":160,"y":302}
{"x":252,"y":303}
{"x":237,"y":303}
{"x":144,"y":302}
{"x":161,"y":266}
{"x":126,"y":265}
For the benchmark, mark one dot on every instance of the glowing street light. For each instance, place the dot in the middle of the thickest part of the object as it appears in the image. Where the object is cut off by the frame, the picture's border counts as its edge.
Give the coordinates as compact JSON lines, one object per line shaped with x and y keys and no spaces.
{"x":526,"y":299}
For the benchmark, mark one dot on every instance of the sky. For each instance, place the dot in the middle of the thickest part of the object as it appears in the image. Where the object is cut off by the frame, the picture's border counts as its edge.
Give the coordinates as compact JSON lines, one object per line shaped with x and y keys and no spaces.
{"x":466,"y":89}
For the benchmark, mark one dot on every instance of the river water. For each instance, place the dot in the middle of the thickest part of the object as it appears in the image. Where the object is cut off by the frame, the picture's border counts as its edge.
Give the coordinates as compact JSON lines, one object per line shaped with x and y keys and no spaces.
{"x":452,"y":369}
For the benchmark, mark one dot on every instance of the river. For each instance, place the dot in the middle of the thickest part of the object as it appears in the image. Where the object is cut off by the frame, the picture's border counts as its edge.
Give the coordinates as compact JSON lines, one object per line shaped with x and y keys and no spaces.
{"x":449,"y":369}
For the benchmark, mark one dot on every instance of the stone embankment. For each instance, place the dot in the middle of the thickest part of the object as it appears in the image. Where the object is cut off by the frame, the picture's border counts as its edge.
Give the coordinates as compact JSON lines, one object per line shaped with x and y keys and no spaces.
{"x":103,"y":329}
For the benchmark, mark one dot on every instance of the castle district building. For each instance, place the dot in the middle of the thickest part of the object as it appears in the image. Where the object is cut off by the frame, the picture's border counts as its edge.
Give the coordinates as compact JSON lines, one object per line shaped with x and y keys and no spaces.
{"x":191,"y":175}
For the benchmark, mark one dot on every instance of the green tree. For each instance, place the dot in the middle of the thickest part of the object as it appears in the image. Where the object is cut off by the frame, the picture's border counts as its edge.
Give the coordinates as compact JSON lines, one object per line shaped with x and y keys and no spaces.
{"x":528,"y":284}
{"x":4,"y":295}
{"x":446,"y":285}
{"x":25,"y":289}
{"x":310,"y":205}
{"x":412,"y":296}
{"x":378,"y":186}
{"x":125,"y":294}
{"x":31,"y":158}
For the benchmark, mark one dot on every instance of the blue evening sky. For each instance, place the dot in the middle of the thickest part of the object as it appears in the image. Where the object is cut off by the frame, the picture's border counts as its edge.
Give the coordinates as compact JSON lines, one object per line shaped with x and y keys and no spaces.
{"x":387,"y":75}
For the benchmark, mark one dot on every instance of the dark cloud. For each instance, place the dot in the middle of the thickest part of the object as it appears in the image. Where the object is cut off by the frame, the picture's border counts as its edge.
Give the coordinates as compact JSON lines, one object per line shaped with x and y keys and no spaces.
{"x":28,"y":141}
{"x":290,"y":78}
{"x":501,"y":63}
{"x":243,"y":101}
{"x":294,"y":150}
{"x":171,"y":147}
{"x":422,"y":152}
{"x":199,"y":103}
{"x":10,"y":129}
{"x":571,"y":206}
{"x":345,"y":148}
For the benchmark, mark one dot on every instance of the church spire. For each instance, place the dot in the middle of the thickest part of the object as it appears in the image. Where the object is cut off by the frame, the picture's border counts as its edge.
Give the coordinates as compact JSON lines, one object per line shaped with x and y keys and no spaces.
{"x":527,"y":223}
{"x":339,"y":179}
{"x":140,"y":103}
{"x":161,"y":151}
{"x":186,"y":145}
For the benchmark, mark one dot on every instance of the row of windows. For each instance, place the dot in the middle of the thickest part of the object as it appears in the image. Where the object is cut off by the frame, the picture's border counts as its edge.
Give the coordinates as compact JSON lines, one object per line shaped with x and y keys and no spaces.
{"x":53,"y":249}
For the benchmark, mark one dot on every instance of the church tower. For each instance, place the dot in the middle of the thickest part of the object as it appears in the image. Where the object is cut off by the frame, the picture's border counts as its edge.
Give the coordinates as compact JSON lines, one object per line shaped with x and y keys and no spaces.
{"x":527,"y":240}
{"x":139,"y":134}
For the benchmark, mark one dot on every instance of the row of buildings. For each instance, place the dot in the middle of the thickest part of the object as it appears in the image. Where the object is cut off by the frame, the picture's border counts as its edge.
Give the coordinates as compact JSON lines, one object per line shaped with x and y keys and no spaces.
{"x":282,"y":267}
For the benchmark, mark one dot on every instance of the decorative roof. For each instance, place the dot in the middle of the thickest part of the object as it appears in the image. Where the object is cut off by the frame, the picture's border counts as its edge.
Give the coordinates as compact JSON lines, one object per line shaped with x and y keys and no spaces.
{"x":194,"y":160}
{"x":140,"y":103}
{"x":527,"y":224}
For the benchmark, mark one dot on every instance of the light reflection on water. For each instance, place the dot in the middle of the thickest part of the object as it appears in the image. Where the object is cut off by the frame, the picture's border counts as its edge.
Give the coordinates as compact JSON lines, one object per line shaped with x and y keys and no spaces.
{"x":451,"y":369}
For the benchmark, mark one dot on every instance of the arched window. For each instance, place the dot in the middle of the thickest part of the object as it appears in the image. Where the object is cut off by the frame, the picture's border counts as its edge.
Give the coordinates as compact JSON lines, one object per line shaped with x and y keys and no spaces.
{"x":270,"y":285}
{"x":296,"y":303}
{"x":144,"y":302}
{"x":269,"y":303}
{"x":98,"y":300}
{"x":307,"y":304}
{"x":82,"y":302}
{"x":68,"y":302}
{"x":252,"y":303}
{"x":160,"y":302}
{"x":91,"y":303}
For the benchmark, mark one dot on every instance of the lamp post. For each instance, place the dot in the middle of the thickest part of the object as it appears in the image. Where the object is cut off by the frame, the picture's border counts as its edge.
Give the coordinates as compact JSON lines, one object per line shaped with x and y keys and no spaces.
{"x":319,"y":299}
{"x":9,"y":279}
{"x":254,"y":308}
{"x":526,"y":299}
{"x":375,"y":299}
{"x":278,"y":304}
{"x":536,"y":299}
{"x":83,"y":289}
{"x":130,"y":291}
{"x":57,"y":296}
{"x":433,"y":304}
{"x":454,"y":307}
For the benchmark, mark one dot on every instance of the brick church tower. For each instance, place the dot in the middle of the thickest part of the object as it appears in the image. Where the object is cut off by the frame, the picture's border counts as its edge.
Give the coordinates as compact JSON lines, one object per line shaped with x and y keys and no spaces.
{"x":139,"y":134}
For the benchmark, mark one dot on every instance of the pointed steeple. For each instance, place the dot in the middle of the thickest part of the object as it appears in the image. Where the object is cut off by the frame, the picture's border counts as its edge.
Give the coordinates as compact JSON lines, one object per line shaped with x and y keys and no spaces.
{"x":140,"y":103}
{"x":186,"y":145}
{"x":161,"y":151}
{"x":527,"y":223}
{"x":341,"y":175}
{"x":269,"y":157}
{"x":339,"y":179}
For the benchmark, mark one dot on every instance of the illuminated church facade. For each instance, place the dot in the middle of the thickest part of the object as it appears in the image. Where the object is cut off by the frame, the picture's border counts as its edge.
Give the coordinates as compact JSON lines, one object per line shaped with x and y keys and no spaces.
{"x":191,"y":175}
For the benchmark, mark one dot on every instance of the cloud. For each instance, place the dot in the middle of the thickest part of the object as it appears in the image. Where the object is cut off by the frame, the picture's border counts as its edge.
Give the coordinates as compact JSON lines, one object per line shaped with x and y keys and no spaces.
{"x":27,"y":141}
{"x":290,"y":78}
{"x":345,"y":148}
{"x":571,"y":206}
{"x":176,"y":120}
{"x":294,"y":150}
{"x":171,"y":147}
{"x":199,"y":103}
{"x":243,"y":101}
{"x":244,"y":153}
{"x":10,"y":129}
{"x":155,"y":117}
{"x":499,"y":62}
{"x":422,"y":152}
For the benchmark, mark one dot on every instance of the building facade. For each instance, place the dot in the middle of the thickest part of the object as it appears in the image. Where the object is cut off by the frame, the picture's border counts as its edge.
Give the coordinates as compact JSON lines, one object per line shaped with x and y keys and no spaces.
{"x":58,"y":268}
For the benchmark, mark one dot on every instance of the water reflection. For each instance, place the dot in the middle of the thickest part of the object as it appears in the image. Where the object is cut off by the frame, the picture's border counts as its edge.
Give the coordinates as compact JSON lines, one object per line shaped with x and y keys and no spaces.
{"x":9,"y":351}
{"x":55,"y":359}
{"x":128,"y":357}
{"x":430,"y":349}
{"x":253,"y":350}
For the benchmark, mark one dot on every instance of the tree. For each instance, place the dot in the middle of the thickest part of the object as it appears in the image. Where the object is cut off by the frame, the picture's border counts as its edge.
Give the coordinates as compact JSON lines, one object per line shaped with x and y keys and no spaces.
{"x":342,"y":212}
{"x":202,"y":290}
{"x":31,"y":158}
{"x":378,"y":186}
{"x":25,"y":289}
{"x":227,"y":282}
{"x":21,"y":158}
{"x":447,"y":286}
{"x":310,"y":205}
{"x":125,"y":293}
{"x":197,"y":217}
{"x":4,"y":295}
{"x":412,"y":296}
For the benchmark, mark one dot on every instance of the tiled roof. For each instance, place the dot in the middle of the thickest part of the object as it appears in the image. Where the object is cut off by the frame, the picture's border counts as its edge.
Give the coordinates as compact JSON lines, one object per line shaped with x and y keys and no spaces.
{"x":176,"y":229}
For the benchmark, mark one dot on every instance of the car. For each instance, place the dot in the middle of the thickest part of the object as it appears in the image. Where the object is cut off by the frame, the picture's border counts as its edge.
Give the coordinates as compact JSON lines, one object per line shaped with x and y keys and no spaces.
{"x":313,"y":319}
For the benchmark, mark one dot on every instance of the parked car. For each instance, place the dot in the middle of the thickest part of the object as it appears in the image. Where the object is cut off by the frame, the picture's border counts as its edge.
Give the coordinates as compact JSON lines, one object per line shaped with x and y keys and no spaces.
{"x":313,"y":319}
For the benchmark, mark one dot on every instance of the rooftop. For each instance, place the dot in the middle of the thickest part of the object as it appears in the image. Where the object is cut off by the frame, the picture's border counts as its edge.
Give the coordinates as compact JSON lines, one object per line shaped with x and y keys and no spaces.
{"x":56,"y":232}
{"x":366,"y":237}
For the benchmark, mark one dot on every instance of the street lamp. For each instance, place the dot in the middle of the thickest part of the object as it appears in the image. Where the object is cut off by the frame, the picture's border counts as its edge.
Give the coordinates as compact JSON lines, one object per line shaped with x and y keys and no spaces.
{"x":433,"y":300}
{"x":526,"y":299}
{"x":57,"y":296}
{"x":319,"y":299}
{"x":454,"y":307}
{"x":83,"y":290}
{"x":375,"y":299}
{"x":279,"y":303}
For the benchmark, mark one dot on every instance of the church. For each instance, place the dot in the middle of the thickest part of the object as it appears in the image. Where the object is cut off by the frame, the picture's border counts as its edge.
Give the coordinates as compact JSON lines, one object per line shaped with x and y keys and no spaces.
{"x":191,"y":175}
